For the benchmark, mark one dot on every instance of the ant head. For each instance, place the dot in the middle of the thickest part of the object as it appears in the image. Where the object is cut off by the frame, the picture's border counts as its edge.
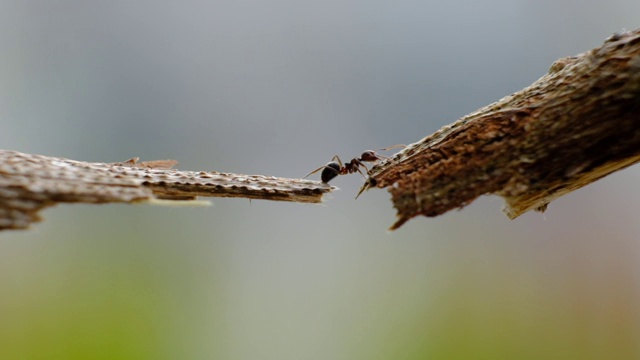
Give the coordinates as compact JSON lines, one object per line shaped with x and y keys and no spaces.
{"x":330,"y":171}
{"x":369,"y":155}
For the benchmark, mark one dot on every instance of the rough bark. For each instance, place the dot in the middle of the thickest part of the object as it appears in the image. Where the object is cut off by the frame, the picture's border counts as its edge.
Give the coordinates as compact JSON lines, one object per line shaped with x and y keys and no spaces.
{"x":575,"y":125}
{"x":29,"y":183}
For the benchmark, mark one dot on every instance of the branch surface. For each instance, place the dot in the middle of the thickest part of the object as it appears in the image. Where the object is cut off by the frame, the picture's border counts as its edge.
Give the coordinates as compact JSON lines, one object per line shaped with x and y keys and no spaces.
{"x":29,"y":183}
{"x":575,"y":125}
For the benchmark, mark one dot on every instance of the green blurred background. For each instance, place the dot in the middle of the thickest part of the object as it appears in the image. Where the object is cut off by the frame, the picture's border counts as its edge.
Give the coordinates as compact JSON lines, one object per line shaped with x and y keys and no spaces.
{"x":278,"y":88}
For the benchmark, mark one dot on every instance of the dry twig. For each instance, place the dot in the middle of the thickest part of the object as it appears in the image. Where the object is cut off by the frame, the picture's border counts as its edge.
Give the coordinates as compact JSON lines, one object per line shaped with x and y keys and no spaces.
{"x":29,"y":183}
{"x":575,"y":125}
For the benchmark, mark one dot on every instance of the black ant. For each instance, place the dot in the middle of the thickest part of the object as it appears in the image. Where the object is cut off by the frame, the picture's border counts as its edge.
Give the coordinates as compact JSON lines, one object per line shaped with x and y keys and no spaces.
{"x":333,"y":169}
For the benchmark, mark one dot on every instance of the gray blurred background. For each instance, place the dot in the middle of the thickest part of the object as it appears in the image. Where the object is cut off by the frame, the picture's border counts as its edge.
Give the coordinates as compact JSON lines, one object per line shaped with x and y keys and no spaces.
{"x":278,"y":88}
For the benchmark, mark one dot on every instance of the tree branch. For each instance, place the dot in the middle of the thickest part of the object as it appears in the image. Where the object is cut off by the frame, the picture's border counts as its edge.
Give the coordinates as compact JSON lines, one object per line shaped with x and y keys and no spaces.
{"x":575,"y":125}
{"x":29,"y":183}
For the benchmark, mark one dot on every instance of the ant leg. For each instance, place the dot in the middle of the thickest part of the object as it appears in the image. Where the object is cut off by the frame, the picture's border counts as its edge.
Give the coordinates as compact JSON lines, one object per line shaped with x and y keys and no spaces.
{"x":329,"y":171}
{"x":336,"y":157}
{"x":326,"y":167}
{"x":315,"y":171}
{"x":357,"y":167}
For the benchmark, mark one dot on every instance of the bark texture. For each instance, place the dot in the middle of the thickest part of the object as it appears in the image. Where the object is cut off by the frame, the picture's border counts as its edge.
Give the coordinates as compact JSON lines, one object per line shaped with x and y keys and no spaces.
{"x":29,"y":183}
{"x":575,"y":125}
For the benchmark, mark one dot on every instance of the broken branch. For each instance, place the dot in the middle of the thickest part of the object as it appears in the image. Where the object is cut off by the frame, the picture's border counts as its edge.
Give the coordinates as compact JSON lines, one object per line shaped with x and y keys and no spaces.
{"x":575,"y":125}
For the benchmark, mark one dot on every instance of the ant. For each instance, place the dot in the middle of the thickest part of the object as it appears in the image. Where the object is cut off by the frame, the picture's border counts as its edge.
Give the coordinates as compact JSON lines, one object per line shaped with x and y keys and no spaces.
{"x":333,"y":169}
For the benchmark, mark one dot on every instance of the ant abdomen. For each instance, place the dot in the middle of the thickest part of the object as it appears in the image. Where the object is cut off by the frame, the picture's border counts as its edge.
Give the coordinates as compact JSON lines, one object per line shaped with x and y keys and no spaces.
{"x":330,"y":171}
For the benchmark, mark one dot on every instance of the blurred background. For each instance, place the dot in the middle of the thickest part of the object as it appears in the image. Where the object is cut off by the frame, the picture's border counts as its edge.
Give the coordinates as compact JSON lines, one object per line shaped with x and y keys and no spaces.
{"x":278,"y":87}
